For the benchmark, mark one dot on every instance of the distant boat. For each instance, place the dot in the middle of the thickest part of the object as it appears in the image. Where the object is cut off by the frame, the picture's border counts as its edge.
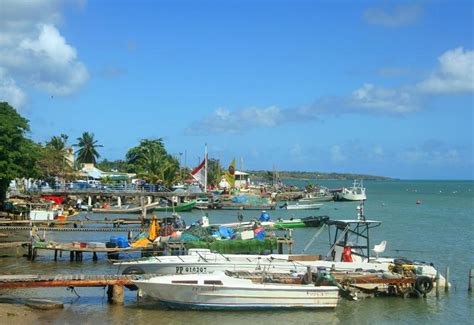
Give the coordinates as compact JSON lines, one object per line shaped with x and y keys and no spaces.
{"x":186,"y":206}
{"x":300,"y":222}
{"x":222,"y":291}
{"x":125,"y":209}
{"x":323,"y":195}
{"x":297,"y":206}
{"x":354,"y":193}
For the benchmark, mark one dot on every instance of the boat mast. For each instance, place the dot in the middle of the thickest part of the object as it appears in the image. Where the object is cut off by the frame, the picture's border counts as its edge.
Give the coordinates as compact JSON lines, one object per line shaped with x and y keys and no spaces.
{"x":205,"y":168}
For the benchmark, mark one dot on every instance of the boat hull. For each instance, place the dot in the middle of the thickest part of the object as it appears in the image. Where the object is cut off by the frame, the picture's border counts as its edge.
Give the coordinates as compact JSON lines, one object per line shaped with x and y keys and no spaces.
{"x":247,"y":295}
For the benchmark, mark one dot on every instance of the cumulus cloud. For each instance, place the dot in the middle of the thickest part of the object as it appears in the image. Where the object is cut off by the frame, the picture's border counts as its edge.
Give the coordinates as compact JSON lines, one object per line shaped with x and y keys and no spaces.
{"x":394,"y":16}
{"x":223,"y":120}
{"x":455,"y":73}
{"x":34,"y":53}
{"x":379,"y":99}
{"x":10,"y":92}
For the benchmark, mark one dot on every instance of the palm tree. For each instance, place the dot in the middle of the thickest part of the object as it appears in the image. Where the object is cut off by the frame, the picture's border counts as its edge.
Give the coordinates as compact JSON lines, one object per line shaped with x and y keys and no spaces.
{"x":87,"y":153}
{"x":151,"y":162}
{"x":58,"y":142}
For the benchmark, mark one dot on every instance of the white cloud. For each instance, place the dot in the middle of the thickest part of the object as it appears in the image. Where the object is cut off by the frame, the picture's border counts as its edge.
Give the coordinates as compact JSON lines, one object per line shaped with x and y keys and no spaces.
{"x":34,"y":53}
{"x":455,"y":73}
{"x":223,"y":120}
{"x":393,"y":17}
{"x":336,"y":154}
{"x":378,"y":99}
{"x":10,"y":92}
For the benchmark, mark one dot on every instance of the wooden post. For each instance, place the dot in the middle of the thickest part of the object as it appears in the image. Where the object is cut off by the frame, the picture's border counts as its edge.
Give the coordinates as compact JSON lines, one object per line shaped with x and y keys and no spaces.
{"x":437,"y":284}
{"x":55,"y":255}
{"x":446,"y":284}
{"x":309,"y":274}
{"x":471,"y":280}
{"x":71,"y":255}
{"x":115,"y":294}
{"x":94,"y":256}
{"x":30,"y":251}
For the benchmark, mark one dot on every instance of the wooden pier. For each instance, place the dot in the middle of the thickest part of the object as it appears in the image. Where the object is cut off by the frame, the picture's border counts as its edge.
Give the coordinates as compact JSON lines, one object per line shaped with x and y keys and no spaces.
{"x":76,"y":253}
{"x":114,"y":282}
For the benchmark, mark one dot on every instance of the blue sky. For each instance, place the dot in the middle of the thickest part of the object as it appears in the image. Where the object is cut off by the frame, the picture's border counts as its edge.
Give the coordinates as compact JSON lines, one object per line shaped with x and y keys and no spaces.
{"x":375,"y":87}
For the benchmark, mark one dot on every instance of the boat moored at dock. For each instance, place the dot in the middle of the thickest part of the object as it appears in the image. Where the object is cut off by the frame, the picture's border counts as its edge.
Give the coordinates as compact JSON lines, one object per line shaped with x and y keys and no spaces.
{"x":223,"y":291}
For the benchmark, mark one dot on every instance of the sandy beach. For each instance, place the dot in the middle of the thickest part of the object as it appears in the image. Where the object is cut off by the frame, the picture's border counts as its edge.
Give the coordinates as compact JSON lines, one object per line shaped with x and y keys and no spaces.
{"x":18,"y":314}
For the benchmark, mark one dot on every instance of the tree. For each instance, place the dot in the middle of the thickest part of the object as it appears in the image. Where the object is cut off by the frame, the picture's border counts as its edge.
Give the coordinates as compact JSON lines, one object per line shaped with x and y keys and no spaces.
{"x":214,"y":172}
{"x":87,"y":153}
{"x":18,"y":154}
{"x":53,"y":160}
{"x":151,"y":161}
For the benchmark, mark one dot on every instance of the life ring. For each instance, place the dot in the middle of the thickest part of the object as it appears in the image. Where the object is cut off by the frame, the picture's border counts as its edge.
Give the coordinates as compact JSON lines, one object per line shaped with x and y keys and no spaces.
{"x":424,"y":284}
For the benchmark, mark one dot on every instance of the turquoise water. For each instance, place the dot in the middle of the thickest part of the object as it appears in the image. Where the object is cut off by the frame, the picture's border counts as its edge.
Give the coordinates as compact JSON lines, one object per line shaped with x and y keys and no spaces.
{"x":440,"y":230}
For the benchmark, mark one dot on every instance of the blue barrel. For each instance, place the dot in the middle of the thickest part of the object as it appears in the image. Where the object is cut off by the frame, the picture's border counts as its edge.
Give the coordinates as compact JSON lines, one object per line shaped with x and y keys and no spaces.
{"x":122,"y":242}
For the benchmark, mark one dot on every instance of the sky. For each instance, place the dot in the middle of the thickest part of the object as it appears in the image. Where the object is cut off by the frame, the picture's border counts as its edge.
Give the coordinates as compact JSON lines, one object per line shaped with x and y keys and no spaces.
{"x":371,"y":87}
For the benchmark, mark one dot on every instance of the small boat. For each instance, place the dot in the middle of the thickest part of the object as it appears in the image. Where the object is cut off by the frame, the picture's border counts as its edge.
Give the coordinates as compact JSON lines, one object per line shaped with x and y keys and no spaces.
{"x":323,"y":195}
{"x":186,"y":206}
{"x":354,"y":193}
{"x":297,"y":206}
{"x":224,"y":291}
{"x":125,"y":209}
{"x":301,"y":222}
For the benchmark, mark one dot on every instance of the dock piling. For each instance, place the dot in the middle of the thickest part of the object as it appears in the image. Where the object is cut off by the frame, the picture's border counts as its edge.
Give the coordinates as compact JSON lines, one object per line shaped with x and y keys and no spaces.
{"x":471,"y":280}
{"x":437,"y":284}
{"x":115,"y":294}
{"x":446,"y":285}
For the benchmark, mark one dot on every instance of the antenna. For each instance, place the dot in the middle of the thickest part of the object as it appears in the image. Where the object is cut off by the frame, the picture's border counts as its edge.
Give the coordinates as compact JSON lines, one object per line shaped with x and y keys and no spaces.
{"x":360,"y":211}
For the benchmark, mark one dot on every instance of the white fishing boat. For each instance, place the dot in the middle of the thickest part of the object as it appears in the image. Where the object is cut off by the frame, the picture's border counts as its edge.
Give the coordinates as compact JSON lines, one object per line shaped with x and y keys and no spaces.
{"x":299,"y":206}
{"x":221,"y":291}
{"x":354,"y":193}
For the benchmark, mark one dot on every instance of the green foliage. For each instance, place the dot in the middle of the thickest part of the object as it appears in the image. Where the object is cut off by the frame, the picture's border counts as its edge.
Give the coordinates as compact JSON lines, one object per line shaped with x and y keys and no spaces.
{"x":118,"y":165}
{"x":214,"y":172}
{"x":87,"y":152}
{"x":151,"y":162}
{"x":17,"y":153}
{"x":53,"y":162}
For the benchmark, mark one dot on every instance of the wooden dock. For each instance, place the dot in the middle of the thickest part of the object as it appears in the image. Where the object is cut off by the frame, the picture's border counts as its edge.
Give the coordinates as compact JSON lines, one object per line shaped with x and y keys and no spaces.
{"x":76,"y":253}
{"x":114,"y":282}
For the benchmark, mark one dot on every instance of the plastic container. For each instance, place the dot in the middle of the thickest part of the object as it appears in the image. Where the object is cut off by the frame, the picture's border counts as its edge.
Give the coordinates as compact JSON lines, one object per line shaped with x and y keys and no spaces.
{"x":110,"y":245}
{"x":122,"y":242}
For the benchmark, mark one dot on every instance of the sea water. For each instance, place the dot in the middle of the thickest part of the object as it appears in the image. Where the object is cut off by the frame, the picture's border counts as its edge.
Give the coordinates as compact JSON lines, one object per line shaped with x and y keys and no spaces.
{"x":440,"y":230}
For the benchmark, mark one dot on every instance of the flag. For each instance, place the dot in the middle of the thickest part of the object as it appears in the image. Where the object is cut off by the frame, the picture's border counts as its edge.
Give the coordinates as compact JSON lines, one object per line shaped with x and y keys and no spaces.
{"x":199,"y":173}
{"x":230,"y":174}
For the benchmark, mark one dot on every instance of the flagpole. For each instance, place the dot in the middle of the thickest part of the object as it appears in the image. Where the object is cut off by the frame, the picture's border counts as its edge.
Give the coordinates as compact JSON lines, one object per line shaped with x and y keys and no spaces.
{"x":205,"y":168}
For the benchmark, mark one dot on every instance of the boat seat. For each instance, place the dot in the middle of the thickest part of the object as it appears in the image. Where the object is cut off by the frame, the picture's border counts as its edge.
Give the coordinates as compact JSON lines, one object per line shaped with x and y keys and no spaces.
{"x":380,"y":248}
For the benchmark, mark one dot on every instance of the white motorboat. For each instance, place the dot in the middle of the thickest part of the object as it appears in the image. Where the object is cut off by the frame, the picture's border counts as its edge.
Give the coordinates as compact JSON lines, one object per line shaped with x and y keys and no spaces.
{"x":221,"y":291}
{"x":298,"y":206}
{"x":354,"y":193}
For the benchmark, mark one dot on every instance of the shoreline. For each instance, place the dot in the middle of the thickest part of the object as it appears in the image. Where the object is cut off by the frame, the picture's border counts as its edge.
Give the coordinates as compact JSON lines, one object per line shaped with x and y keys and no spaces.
{"x":18,"y":314}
